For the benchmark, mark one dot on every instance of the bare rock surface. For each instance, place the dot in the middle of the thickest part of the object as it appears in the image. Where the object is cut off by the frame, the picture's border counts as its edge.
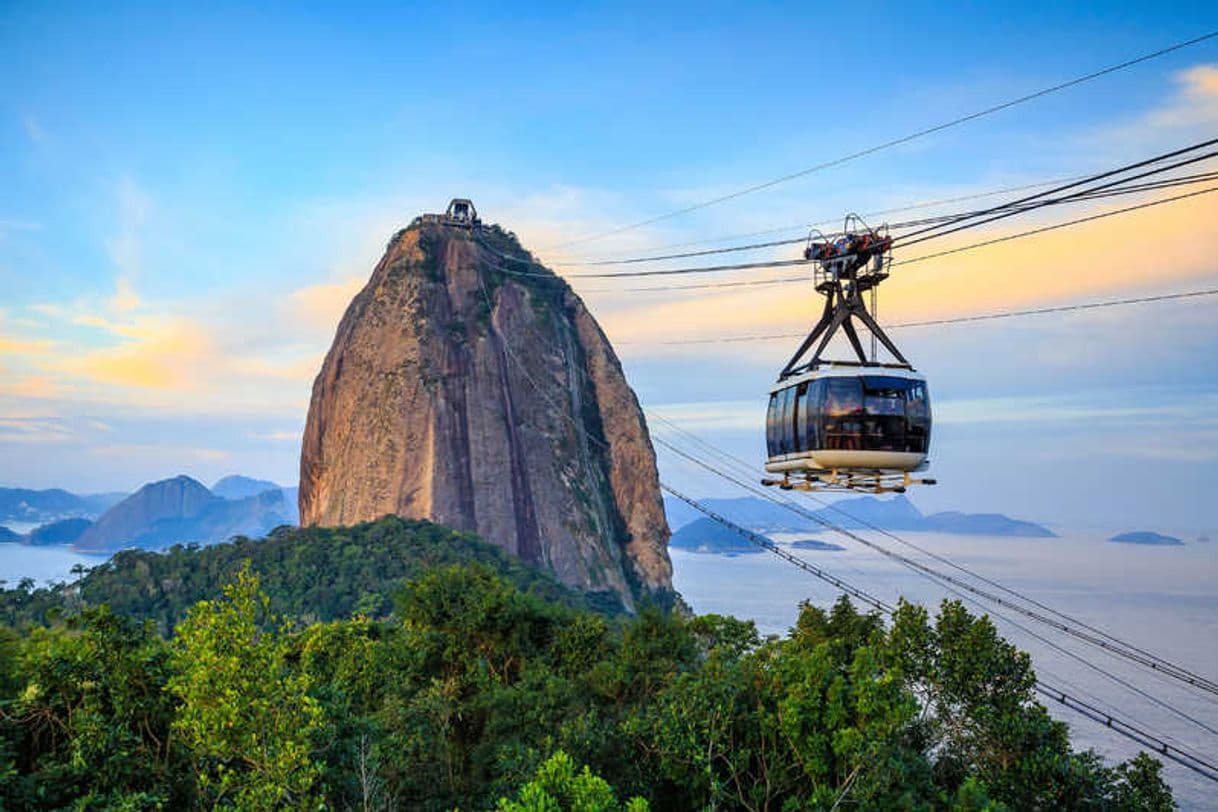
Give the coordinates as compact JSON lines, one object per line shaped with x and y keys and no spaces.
{"x":478,"y":392}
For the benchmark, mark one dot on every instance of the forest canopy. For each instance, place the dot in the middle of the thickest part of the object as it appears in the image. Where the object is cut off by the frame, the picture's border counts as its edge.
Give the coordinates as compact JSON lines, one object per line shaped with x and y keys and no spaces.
{"x":480,"y":687}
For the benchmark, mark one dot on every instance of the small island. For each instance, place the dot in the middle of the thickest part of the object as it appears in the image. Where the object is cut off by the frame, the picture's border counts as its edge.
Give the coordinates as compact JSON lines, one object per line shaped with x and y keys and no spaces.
{"x":1147,"y":538}
{"x":708,"y":536}
{"x":816,"y":544}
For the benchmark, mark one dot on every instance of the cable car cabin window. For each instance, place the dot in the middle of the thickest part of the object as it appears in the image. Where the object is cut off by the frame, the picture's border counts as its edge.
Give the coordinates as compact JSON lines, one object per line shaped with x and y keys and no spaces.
{"x":884,"y":404}
{"x":810,"y":413}
{"x":917,"y":415}
{"x":801,"y":418}
{"x":786,"y":437}
{"x":771,"y":426}
{"x":843,"y":424}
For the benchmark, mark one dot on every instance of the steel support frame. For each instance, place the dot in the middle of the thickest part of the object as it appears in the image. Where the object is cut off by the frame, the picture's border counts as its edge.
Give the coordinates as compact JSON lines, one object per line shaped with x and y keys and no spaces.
{"x":843,"y":304}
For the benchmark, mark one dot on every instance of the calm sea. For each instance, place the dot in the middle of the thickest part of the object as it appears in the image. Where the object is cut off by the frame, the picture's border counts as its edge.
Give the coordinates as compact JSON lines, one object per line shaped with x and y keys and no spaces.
{"x":1162,"y":599}
{"x":43,"y":564}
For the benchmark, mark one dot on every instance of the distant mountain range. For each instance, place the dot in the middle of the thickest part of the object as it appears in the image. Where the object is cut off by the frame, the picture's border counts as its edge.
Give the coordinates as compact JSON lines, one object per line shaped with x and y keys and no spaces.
{"x":25,"y":506}
{"x":172,"y":511}
{"x":182,"y":509}
{"x":897,"y":513}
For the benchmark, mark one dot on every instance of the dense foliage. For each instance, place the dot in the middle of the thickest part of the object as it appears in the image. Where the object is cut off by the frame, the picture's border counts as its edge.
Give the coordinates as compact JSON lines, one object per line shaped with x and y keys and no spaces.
{"x":475,"y":694}
{"x":310,"y":574}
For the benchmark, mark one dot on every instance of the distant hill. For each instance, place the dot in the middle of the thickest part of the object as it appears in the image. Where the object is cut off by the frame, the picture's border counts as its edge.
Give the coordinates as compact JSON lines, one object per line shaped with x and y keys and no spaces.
{"x":1148,"y":538}
{"x":182,"y":510}
{"x":161,"y":513}
{"x":984,"y":524}
{"x":24,"y":505}
{"x":897,"y":513}
{"x":64,"y":531}
{"x":236,"y":486}
{"x":706,"y":535}
{"x":40,"y":507}
{"x":310,"y":574}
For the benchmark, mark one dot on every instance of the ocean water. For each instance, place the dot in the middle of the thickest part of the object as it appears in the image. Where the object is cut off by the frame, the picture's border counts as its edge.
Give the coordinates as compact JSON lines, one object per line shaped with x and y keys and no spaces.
{"x":43,"y":564}
{"x":1161,"y":599}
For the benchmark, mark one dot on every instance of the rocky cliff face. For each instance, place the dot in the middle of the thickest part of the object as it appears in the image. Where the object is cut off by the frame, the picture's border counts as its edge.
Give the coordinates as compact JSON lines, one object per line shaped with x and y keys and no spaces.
{"x":490,"y":402}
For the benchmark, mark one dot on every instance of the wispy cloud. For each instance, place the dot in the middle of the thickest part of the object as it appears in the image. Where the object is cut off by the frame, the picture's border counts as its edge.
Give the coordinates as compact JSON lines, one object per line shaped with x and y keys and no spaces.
{"x":33,"y":129}
{"x":1195,"y":103}
{"x":35,"y":430}
{"x":125,"y":247}
{"x":21,"y":346}
{"x":1112,"y":407}
{"x":276,"y":436}
{"x":128,"y":451}
{"x":717,"y":415}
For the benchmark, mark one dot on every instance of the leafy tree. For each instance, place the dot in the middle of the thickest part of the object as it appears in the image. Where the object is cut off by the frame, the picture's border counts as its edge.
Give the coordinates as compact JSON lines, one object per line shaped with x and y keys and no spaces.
{"x":1139,"y":785}
{"x":245,"y":716}
{"x":557,"y":787}
{"x":89,"y":719}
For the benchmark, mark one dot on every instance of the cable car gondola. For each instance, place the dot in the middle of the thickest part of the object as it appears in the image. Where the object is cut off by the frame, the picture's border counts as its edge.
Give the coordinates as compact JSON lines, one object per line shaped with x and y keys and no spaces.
{"x":856,"y":424}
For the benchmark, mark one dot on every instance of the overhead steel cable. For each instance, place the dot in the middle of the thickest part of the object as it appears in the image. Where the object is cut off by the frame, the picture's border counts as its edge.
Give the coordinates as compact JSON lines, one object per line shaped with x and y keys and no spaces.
{"x":1155,"y":663}
{"x":1005,"y":210}
{"x":895,"y":141}
{"x":803,"y":227}
{"x":1101,"y":193}
{"x":1205,"y":769}
{"x":1124,"y":187}
{"x":944,"y":219}
{"x":911,"y":261}
{"x":932,"y":220}
{"x":1184,"y":758}
{"x":738,"y":464}
{"x":969,"y":219}
{"x":1056,"y":226}
{"x":1009,"y":314}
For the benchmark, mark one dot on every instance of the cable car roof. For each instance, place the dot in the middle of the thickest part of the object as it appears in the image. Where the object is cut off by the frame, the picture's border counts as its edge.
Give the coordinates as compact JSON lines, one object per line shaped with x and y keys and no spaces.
{"x":847,"y":370}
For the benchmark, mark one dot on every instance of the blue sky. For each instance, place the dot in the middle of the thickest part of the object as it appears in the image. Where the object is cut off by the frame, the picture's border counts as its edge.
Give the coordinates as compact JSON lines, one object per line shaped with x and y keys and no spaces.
{"x":191,"y":196}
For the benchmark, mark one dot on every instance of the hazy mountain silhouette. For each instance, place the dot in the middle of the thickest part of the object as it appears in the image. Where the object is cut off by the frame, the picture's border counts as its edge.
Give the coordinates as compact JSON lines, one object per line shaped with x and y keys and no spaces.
{"x":897,"y":513}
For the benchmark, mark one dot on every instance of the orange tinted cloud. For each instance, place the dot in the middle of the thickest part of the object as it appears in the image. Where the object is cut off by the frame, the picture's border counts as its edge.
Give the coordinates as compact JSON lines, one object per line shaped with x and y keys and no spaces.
{"x":18,"y":346}
{"x":1153,"y":249}
{"x":1197,"y":102}
{"x":162,"y":355}
{"x":321,"y":306}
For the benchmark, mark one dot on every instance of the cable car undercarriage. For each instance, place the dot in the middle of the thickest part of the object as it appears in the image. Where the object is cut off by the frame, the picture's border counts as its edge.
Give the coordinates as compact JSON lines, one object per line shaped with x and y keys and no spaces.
{"x":857,"y":425}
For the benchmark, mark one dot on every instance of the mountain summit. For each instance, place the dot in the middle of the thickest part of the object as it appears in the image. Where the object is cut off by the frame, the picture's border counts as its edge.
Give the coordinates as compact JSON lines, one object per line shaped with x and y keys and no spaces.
{"x":478,"y":392}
